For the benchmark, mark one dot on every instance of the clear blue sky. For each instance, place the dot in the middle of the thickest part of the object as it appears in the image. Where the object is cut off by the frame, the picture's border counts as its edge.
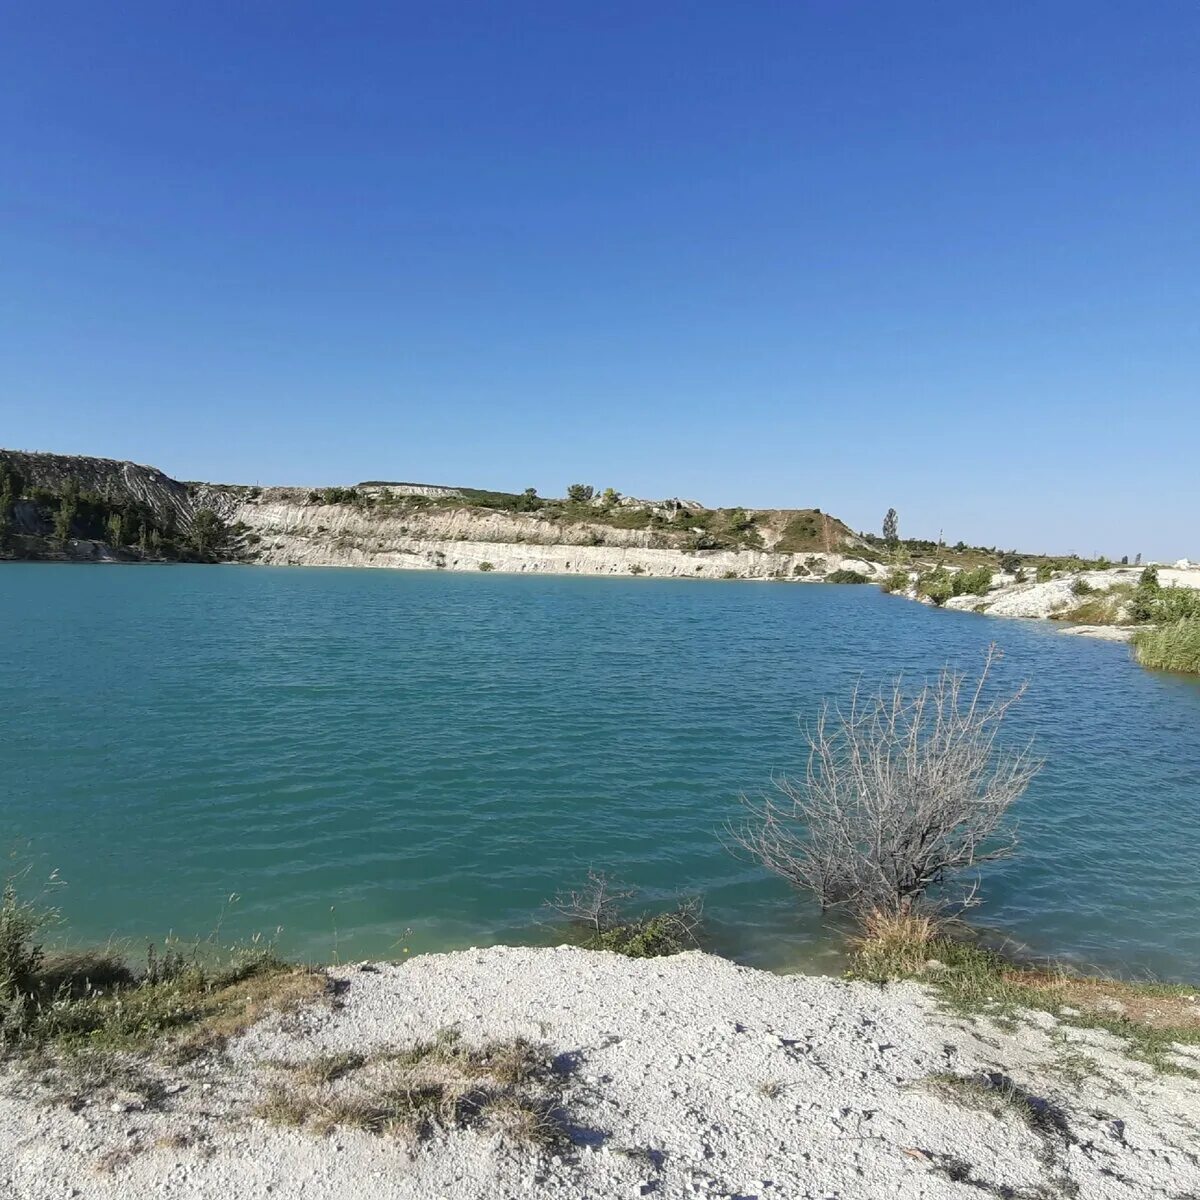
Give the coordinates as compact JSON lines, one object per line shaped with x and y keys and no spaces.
{"x":944,"y":256}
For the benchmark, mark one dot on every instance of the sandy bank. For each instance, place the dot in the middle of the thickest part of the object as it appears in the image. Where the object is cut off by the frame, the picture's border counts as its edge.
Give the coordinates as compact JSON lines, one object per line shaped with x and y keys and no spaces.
{"x":685,"y":1077}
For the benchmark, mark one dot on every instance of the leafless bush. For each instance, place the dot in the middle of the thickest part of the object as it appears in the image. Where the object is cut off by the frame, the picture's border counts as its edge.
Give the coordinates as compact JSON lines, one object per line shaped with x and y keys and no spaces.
{"x":597,"y":906}
{"x":903,"y":795}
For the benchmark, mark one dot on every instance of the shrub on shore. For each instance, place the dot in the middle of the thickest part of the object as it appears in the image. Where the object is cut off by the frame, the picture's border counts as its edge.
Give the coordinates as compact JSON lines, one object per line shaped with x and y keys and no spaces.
{"x":972,"y":583}
{"x":937,"y":585}
{"x":598,"y":915}
{"x":1173,"y":647}
{"x":897,"y":581}
{"x":845,"y":576}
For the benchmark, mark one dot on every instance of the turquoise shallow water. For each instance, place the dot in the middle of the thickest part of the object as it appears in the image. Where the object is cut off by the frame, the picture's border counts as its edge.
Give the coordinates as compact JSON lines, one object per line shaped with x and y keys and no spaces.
{"x":375,"y":752}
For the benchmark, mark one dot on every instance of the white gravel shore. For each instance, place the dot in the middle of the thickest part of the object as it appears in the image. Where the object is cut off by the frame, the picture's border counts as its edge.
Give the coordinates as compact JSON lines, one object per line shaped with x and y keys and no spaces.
{"x":685,"y":1077}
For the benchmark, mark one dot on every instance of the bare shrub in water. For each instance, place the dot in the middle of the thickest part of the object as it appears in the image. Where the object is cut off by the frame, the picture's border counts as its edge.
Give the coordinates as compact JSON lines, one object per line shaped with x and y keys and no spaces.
{"x":903,"y":795}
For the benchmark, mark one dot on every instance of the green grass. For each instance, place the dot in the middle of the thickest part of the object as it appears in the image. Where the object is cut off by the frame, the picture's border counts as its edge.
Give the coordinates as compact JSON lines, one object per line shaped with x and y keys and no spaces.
{"x":1173,"y":647}
{"x":186,"y":1001}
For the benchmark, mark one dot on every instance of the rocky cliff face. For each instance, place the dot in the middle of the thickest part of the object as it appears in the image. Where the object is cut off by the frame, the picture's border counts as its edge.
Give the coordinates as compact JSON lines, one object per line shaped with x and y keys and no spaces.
{"x":427,"y":527}
{"x":285,"y":530}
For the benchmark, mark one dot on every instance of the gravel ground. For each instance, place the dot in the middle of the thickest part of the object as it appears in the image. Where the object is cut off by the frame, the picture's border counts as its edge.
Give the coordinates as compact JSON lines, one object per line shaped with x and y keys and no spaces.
{"x":684,"y":1077}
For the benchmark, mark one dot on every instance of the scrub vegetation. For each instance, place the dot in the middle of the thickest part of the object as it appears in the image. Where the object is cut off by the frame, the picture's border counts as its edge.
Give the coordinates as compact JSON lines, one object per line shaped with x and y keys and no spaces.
{"x":182,"y":1001}
{"x":30,"y":514}
{"x":598,"y":915}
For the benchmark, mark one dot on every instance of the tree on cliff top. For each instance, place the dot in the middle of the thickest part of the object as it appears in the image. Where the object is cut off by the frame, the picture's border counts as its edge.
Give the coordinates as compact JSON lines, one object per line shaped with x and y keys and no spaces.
{"x":891,"y":527}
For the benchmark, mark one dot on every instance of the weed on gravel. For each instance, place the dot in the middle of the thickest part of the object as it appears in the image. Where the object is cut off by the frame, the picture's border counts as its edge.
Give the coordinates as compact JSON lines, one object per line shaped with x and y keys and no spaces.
{"x":1152,"y":1019}
{"x":508,"y":1087}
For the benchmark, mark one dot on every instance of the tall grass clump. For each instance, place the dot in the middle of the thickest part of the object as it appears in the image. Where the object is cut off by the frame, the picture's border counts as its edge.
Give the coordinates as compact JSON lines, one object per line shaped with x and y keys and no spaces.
{"x":1173,"y":647}
{"x":189,"y":998}
{"x":905,"y":796}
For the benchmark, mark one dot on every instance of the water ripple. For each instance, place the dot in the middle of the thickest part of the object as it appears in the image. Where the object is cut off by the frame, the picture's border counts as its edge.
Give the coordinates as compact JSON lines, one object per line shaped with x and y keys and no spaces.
{"x":359,"y":753}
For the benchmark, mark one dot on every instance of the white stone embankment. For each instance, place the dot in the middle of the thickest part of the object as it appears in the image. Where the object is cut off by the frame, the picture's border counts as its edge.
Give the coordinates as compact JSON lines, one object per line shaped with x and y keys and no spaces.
{"x":1057,"y":598}
{"x":684,"y":1077}
{"x":293,"y":533}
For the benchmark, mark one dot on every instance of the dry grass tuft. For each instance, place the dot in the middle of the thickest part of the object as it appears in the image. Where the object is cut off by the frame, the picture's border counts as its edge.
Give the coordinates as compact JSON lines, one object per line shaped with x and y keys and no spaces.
{"x":896,"y":943}
{"x":508,"y":1087}
{"x":1153,"y":1019}
{"x":327,"y":1068}
{"x":232,"y":1009}
{"x":1157,"y":1006}
{"x":996,"y":1093}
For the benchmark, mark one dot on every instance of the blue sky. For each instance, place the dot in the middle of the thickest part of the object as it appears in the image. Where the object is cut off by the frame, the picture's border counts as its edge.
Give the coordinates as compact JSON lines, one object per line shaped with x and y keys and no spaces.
{"x":942,"y":256}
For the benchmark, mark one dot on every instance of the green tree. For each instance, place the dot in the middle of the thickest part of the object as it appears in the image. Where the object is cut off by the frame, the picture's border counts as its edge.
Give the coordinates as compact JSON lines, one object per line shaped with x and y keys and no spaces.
{"x":7,"y":501}
{"x":891,"y":528}
{"x":115,"y":527}
{"x":208,"y":531}
{"x":64,"y":518}
{"x":581,"y":493}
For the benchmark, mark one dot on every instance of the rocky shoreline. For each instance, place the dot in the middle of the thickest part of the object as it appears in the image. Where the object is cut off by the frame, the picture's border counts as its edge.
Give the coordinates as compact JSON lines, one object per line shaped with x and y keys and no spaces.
{"x":680,"y":1077}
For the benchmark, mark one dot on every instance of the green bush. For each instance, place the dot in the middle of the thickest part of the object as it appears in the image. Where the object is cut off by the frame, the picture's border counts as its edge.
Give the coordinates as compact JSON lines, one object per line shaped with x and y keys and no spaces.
{"x":897,"y":581}
{"x":1174,"y":647}
{"x":936,"y":584}
{"x":1045,"y":573}
{"x":649,"y":937}
{"x":1081,"y":587}
{"x":844,"y":576}
{"x":487,"y":566}
{"x":972,"y":583}
{"x":1176,"y":604}
{"x":598,"y":916}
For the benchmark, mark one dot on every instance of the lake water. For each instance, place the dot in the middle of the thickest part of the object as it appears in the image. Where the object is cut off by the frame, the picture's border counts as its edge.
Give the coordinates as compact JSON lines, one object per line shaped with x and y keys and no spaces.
{"x":377,"y":760}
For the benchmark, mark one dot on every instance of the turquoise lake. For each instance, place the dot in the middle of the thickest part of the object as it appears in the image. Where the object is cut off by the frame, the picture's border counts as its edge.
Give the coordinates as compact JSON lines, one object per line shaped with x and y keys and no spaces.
{"x":374,"y":760}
